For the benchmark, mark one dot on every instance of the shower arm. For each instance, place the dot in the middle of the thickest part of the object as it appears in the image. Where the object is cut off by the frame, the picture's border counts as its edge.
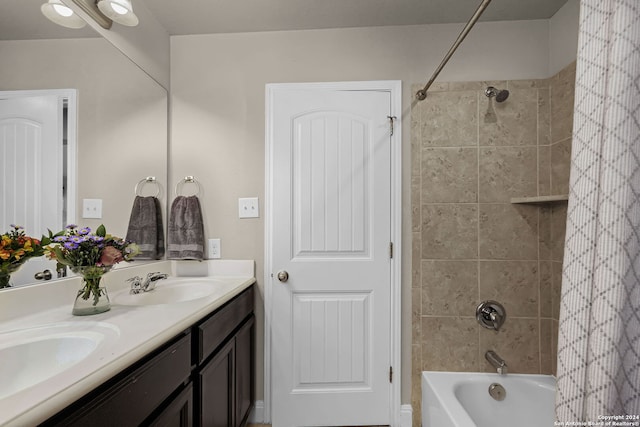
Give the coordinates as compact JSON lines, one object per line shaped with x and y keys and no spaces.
{"x":422,"y":93}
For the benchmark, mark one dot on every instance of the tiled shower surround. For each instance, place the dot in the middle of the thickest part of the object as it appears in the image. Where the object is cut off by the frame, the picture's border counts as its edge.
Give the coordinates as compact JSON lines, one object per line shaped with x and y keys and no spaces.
{"x":470,"y":156}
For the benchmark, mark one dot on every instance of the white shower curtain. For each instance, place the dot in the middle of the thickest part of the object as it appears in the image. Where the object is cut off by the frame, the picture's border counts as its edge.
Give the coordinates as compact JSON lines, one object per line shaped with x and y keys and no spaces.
{"x":599,"y":330}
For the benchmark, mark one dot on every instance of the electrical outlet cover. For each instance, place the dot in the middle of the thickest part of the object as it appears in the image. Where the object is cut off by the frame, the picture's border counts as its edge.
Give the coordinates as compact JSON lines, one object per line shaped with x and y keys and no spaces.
{"x":213,"y":249}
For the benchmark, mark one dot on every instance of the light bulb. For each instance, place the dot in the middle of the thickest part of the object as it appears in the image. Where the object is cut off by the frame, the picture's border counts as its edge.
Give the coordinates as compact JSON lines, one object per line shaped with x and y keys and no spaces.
{"x":59,"y":13}
{"x":62,"y":10}
{"x":119,"y":9}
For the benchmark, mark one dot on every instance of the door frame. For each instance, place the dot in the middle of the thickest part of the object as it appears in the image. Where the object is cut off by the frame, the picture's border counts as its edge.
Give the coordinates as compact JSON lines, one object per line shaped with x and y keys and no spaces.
{"x":394,"y":87}
{"x":72,"y":139}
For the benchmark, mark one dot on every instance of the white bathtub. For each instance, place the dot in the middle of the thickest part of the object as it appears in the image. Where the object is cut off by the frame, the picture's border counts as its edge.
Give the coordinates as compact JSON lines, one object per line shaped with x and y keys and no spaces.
{"x":461,"y":399}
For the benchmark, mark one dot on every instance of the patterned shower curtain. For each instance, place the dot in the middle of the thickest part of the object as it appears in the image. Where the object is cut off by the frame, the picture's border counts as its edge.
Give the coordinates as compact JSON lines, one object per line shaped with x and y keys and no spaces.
{"x":599,"y":331}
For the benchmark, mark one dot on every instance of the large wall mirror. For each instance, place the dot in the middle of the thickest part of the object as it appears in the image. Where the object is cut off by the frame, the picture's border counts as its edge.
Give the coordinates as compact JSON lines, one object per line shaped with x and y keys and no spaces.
{"x":121,"y":112}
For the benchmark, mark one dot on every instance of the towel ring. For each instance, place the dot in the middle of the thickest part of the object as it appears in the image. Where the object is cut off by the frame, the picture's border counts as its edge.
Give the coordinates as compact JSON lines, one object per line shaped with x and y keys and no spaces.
{"x":142,"y":182}
{"x":188,"y":180}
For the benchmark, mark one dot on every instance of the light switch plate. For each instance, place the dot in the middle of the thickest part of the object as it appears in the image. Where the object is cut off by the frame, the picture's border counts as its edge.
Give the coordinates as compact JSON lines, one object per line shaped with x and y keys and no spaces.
{"x":248,"y":207}
{"x":91,"y":208}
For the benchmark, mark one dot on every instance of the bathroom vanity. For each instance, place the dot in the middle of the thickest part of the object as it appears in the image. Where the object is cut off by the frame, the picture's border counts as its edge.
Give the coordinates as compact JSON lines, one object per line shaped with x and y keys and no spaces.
{"x":183,"y":363}
{"x":201,"y":377}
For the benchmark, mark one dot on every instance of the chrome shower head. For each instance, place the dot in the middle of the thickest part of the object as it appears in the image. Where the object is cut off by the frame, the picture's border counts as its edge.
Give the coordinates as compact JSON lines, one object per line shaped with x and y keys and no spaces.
{"x":501,"y":95}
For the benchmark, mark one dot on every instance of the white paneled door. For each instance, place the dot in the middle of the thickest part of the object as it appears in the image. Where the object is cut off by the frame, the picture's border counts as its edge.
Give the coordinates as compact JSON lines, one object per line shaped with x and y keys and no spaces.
{"x":31,"y":153}
{"x":31,"y":170}
{"x":330,"y":260}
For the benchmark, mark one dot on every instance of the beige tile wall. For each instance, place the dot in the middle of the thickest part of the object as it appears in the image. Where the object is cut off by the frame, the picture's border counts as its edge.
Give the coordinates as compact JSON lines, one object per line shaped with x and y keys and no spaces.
{"x":470,"y":156}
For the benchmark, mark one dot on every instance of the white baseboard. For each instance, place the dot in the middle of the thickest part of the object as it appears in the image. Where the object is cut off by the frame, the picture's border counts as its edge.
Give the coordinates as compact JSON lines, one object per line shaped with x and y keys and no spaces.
{"x":406,"y":416}
{"x":257,"y":413}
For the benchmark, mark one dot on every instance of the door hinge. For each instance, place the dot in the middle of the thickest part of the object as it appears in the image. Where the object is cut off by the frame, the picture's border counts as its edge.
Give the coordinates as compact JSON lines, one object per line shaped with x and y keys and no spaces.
{"x":391,"y":120}
{"x":390,"y":374}
{"x":390,"y":249}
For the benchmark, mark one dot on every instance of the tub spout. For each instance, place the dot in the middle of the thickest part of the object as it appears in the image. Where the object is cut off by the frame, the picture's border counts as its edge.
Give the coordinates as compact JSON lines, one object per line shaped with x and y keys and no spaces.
{"x":496,"y":361}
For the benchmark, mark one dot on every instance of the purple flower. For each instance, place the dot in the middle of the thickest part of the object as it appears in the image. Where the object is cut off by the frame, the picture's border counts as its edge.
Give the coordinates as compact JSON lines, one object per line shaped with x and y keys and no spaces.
{"x":60,"y":239}
{"x":70,"y":245}
{"x":84,"y":231}
{"x":71,"y":226}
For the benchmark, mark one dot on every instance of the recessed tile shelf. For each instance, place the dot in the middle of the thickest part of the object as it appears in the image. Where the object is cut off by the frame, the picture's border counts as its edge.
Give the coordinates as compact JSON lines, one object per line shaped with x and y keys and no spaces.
{"x":540,"y":199}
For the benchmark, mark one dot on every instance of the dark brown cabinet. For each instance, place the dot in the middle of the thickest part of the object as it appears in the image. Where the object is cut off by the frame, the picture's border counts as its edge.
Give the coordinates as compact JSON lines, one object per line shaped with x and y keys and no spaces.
{"x":215,"y":386}
{"x":131,"y":398}
{"x":203,"y":377}
{"x":245,"y":374}
{"x":225,"y":372}
{"x":179,"y":413}
{"x":225,"y":383}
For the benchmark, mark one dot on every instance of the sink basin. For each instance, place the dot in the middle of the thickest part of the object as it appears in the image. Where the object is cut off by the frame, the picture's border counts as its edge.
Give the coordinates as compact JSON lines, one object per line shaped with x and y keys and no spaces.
{"x":33,"y":355}
{"x":169,"y":291}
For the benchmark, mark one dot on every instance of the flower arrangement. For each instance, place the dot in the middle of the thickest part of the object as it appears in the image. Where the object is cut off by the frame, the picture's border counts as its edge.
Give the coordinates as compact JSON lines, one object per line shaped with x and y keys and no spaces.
{"x":15,"y":249}
{"x":89,"y":254}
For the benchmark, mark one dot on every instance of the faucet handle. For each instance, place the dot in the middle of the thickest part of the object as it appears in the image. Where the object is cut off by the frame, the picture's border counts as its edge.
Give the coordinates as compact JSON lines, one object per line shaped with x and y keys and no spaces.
{"x":491,"y":314}
{"x":156,"y":275}
{"x":150,"y":282}
{"x":136,"y":284}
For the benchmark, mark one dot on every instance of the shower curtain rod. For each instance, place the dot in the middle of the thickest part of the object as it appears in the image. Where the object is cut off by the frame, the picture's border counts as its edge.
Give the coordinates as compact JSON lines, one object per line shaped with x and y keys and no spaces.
{"x":422,"y":93}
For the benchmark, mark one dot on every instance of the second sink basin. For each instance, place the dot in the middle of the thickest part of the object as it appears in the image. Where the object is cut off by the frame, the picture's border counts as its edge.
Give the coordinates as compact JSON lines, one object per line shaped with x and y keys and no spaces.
{"x":172,"y":290}
{"x":33,"y":355}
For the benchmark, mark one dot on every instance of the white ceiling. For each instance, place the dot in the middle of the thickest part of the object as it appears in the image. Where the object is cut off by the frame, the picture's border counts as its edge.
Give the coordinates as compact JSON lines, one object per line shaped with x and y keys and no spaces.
{"x":21,"y":19}
{"x":216,"y":16}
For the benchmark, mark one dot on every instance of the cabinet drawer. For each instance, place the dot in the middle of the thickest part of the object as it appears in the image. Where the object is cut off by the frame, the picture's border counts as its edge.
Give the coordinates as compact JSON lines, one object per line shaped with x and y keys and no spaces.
{"x":215,"y":330}
{"x":133,"y":398}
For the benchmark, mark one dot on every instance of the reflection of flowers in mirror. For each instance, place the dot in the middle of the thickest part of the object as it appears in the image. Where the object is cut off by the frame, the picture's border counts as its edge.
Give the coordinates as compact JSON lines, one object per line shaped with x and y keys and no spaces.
{"x":15,"y":249}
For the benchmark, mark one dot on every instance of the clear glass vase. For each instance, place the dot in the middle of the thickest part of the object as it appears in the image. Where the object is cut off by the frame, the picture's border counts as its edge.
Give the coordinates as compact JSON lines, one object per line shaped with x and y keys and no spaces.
{"x":91,"y":298}
{"x":5,"y":273}
{"x":5,"y":279}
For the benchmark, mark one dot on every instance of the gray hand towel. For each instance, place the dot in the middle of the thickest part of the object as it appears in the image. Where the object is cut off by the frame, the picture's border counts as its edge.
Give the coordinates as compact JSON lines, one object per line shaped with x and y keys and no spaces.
{"x":145,"y":227}
{"x":186,"y":229}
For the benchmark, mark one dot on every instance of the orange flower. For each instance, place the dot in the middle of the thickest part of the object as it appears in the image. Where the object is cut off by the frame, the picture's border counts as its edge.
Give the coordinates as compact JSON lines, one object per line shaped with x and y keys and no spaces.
{"x":18,"y":254}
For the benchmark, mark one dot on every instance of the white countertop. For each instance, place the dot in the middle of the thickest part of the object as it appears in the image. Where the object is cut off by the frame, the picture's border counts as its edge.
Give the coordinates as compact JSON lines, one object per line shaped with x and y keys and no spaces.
{"x":134,"y":331}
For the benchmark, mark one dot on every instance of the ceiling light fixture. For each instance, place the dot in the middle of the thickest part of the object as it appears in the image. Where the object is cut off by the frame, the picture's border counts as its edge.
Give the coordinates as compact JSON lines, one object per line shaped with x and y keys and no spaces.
{"x":57,"y":12}
{"x":120,"y":11}
{"x":90,"y":8}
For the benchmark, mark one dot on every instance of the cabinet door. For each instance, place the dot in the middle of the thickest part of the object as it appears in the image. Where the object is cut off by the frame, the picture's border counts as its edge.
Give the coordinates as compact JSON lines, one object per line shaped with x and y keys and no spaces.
{"x":245,"y":354}
{"x":179,"y":413}
{"x":216,"y":389}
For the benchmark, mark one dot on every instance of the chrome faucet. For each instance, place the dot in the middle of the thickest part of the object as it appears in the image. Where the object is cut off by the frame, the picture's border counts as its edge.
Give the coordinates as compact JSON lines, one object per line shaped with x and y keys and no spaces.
{"x":491,"y":314}
{"x":496,"y":361}
{"x":148,"y":284}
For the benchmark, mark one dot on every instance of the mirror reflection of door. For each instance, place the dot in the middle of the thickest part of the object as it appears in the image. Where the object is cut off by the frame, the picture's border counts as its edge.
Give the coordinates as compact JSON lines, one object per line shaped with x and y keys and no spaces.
{"x":33,"y":167}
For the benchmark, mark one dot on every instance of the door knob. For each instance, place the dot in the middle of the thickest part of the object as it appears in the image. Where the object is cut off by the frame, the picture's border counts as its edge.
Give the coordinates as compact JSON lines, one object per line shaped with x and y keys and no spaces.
{"x":43,"y":275}
{"x":283,"y":276}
